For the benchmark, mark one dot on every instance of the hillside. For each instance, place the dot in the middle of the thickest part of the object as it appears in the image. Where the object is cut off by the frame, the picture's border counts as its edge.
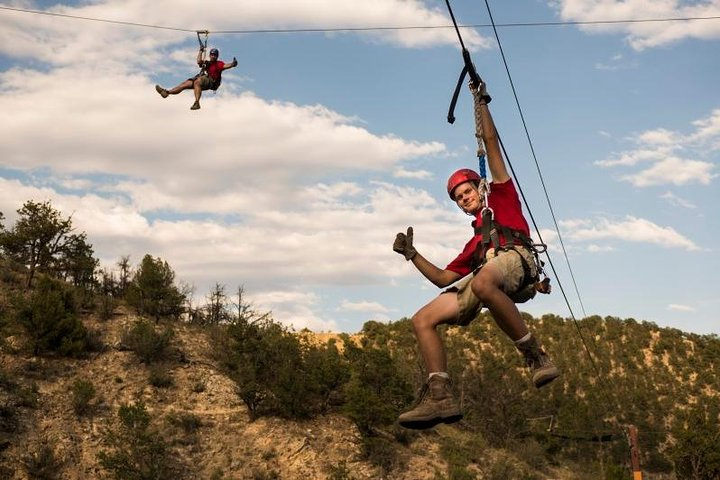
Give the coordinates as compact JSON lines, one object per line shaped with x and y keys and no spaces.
{"x":221,"y":441}
{"x":658,"y":379}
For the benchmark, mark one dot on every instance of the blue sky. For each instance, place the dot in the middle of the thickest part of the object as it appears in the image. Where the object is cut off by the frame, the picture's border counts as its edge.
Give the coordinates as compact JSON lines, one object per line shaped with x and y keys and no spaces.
{"x":294,"y":178}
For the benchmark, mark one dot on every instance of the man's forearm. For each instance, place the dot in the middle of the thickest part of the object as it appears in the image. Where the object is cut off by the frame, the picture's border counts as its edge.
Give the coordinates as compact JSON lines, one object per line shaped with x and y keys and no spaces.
{"x":440,"y":278}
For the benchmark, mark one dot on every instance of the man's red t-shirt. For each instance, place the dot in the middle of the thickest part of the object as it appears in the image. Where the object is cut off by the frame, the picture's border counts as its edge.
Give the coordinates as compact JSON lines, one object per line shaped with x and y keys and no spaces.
{"x":214,"y":70}
{"x":505,"y":203}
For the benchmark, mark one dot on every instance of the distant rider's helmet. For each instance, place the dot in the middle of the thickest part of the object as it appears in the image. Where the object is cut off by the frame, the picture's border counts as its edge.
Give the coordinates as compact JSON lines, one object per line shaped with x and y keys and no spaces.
{"x":214,"y":51}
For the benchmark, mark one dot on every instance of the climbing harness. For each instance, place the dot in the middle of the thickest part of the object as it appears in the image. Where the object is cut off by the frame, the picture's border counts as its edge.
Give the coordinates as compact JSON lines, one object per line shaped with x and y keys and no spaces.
{"x":489,"y":229}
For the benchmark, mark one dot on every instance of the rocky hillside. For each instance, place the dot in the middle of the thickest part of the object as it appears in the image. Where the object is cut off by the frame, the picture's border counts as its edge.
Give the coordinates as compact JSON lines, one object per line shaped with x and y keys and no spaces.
{"x":196,"y":411}
{"x":97,"y":416}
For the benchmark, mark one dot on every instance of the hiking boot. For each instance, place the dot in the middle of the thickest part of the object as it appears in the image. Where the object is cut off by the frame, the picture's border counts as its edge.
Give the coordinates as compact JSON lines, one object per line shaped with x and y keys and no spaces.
{"x":195,"y":106}
{"x":163,"y":93}
{"x":435,"y":405}
{"x":542,"y":368}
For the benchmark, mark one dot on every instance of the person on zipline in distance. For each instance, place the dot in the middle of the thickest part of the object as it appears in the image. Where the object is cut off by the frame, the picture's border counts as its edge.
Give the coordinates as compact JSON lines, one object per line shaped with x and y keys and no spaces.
{"x":495,"y":278}
{"x":209,"y":77}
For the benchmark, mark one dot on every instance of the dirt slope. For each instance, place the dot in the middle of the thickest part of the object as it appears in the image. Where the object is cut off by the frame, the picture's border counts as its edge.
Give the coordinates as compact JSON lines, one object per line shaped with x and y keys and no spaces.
{"x":225,"y":444}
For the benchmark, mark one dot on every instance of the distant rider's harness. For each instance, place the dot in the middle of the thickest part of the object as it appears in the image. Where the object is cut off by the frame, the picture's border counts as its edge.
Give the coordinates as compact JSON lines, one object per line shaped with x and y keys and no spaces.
{"x":215,"y":84}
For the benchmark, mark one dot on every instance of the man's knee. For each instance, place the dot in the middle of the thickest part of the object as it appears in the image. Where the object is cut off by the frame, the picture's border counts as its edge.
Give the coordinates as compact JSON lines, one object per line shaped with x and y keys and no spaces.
{"x":483,"y":287}
{"x":421,"y":321}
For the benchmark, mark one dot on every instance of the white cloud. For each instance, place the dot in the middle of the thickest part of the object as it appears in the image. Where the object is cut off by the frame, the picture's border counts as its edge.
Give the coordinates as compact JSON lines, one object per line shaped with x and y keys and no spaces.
{"x":680,"y":308}
{"x":417,"y":174}
{"x":674,"y":200}
{"x":616,"y":62}
{"x":662,"y":150}
{"x":708,"y":130}
{"x":659,"y":137}
{"x":629,"y":229}
{"x":649,"y":34}
{"x":236,"y":193}
{"x":295,"y":309}
{"x":634,"y":157}
{"x":593,"y":248}
{"x":280,"y":252}
{"x":60,"y":41}
{"x":254,"y":150}
{"x":362,"y":306}
{"x":674,"y":171}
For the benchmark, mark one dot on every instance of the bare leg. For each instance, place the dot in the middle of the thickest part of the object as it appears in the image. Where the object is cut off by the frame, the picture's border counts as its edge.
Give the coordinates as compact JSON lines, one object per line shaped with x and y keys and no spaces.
{"x":442,"y":309}
{"x":487,"y":286}
{"x":436,"y":404}
{"x":198,"y":90}
{"x":186,"y":85}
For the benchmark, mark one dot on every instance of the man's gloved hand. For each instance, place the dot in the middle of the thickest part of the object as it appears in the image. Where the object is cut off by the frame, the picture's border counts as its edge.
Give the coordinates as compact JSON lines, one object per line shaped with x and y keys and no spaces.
{"x":543,"y":286}
{"x":234,"y":62}
{"x":202,"y":49}
{"x":404,"y":244}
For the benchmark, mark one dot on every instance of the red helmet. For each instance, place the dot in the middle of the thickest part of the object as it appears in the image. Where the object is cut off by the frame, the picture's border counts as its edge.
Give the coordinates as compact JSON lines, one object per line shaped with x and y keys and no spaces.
{"x":461,"y":176}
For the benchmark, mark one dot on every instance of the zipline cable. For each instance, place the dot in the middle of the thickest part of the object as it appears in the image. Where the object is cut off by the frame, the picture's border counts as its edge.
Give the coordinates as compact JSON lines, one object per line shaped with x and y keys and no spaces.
{"x":368,"y":29}
{"x":102,"y":20}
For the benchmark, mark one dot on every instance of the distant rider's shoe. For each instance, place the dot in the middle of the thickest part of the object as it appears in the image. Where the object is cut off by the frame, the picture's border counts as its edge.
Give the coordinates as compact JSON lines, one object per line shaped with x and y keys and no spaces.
{"x":541,"y":367}
{"x":163,"y":93}
{"x":436,"y":405}
{"x":195,"y":106}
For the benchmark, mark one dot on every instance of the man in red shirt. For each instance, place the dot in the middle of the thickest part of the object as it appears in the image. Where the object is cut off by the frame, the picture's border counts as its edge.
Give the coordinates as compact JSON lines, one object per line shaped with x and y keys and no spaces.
{"x":209,"y":77}
{"x":496,"y":276}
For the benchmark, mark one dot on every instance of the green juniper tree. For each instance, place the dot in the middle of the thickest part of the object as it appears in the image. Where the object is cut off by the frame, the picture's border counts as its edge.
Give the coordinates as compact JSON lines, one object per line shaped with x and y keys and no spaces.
{"x":50,"y":320}
{"x":153,"y":292}
{"x":38,"y":237}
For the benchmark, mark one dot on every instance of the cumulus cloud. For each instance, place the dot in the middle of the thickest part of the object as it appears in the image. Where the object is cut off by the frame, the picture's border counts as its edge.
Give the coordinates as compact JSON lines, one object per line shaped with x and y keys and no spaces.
{"x":680,"y":308}
{"x":665,"y":156}
{"x":708,"y":130}
{"x":674,"y":200}
{"x":295,"y":309}
{"x":281,"y":143}
{"x":281,"y":252}
{"x":674,"y":171}
{"x":616,"y":62}
{"x":648,"y":34}
{"x":628,"y":229}
{"x":592,"y":248}
{"x":61,"y":41}
{"x":363,"y":306}
{"x":416,"y":174}
{"x":240,"y":197}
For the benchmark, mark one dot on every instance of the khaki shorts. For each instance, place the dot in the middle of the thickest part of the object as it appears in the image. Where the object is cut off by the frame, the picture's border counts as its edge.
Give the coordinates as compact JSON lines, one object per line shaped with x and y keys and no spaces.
{"x":206,"y":83}
{"x":509,"y":263}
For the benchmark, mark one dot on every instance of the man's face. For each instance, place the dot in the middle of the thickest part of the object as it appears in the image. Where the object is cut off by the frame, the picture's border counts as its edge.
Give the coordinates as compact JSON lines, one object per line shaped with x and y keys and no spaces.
{"x":467,"y":197}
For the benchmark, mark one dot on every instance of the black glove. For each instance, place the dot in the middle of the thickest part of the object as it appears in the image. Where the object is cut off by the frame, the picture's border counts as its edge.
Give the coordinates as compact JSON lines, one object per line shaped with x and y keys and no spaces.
{"x":202,"y":49}
{"x":234,"y":62}
{"x":404,"y":244}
